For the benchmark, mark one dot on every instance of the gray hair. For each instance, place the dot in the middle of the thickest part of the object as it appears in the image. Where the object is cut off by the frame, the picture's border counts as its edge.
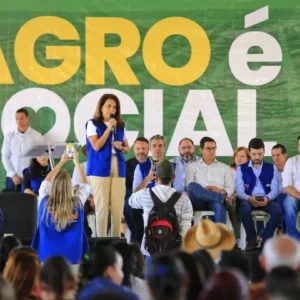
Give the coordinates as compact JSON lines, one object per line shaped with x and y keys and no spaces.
{"x":282,"y":251}
{"x":157,"y":137}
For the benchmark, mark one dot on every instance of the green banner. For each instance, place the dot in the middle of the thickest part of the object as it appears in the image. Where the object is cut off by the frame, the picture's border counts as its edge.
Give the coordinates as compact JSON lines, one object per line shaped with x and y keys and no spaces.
{"x":227,"y":69}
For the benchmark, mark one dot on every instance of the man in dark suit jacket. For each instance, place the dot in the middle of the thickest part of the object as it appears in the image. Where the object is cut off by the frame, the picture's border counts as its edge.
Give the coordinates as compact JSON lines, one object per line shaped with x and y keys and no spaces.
{"x":134,"y":217}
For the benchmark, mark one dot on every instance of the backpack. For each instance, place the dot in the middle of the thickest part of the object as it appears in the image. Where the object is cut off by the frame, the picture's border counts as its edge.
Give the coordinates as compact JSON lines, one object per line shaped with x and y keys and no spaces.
{"x":162,"y":231}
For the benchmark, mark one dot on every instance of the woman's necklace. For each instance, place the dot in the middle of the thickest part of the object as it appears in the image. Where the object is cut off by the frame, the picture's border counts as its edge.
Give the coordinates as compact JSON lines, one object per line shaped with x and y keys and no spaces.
{"x":44,"y":171}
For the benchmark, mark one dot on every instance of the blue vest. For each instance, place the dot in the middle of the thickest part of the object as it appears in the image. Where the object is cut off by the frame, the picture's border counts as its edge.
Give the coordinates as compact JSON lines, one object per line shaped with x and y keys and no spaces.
{"x":71,"y":243}
{"x":265,"y":177}
{"x":99,"y":162}
{"x":35,"y":182}
{"x":145,"y":169}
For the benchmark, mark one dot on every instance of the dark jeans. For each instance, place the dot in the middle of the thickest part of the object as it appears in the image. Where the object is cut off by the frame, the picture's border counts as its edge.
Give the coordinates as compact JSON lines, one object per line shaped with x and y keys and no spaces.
{"x":291,"y":208}
{"x":272,"y":208}
{"x":9,"y":185}
{"x":279,"y":199}
{"x":128,"y":219}
{"x":87,"y":228}
{"x":138,"y":225}
{"x":235,"y":218}
{"x":203,"y":199}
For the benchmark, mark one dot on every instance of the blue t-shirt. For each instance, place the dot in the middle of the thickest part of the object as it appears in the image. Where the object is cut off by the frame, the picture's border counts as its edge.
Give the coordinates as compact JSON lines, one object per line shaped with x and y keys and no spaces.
{"x":71,"y":242}
{"x":103,"y":284}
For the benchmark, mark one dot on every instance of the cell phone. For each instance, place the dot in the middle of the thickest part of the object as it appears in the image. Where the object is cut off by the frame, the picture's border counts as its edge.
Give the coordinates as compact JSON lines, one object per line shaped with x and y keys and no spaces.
{"x":154,"y":163}
{"x":259,"y":198}
{"x":70,"y":147}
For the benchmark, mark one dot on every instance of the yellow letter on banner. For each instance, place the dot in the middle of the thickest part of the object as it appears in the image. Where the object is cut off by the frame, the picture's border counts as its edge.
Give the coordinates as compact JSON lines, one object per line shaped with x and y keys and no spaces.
{"x":24,"y":50}
{"x":97,"y":54}
{"x":5,"y":76}
{"x":200,"y":51}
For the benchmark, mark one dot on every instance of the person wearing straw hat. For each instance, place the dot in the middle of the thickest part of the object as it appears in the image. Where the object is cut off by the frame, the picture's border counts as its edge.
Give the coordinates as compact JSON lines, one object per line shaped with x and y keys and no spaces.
{"x":209,"y":236}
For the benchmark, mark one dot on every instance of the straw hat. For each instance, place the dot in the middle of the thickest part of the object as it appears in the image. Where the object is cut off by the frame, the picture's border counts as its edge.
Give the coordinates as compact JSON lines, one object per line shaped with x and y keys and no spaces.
{"x":210,"y":236}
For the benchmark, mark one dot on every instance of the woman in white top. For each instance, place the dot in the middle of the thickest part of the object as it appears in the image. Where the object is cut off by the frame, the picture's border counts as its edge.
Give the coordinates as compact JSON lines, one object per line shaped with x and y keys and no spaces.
{"x":240,"y":156}
{"x":106,"y":143}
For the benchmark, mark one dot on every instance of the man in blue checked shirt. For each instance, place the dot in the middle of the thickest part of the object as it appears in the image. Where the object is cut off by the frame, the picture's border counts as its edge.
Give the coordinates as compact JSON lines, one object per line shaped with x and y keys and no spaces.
{"x":186,"y":150}
{"x":257,"y":187}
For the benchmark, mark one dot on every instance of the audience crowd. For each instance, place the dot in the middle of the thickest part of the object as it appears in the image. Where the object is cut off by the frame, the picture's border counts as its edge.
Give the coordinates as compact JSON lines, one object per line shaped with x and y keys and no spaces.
{"x":169,"y":254}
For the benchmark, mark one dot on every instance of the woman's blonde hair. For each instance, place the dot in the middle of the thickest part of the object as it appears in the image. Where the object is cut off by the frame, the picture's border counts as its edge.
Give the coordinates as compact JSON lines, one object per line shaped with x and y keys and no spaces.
{"x":22,"y":270}
{"x":61,"y":204}
{"x":236,"y":151}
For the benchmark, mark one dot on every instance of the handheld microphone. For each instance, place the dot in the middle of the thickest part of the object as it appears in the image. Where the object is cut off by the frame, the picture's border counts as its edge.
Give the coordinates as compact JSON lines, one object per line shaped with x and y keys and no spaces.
{"x":114,"y":130}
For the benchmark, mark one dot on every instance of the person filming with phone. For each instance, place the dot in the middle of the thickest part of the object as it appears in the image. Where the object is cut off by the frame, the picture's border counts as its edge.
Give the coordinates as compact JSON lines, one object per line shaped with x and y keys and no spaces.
{"x":145,"y":173}
{"x":60,"y":219}
{"x":106,"y":143}
{"x":257,"y":188}
{"x":145,"y":176}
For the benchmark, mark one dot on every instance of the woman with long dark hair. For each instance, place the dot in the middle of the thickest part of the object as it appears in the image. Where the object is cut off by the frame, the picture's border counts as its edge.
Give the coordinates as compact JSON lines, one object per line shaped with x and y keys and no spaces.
{"x":106,"y":143}
{"x":34,"y":175}
{"x":101,"y":270}
{"x":166,"y":276}
{"x":136,"y":284}
{"x":57,"y":280}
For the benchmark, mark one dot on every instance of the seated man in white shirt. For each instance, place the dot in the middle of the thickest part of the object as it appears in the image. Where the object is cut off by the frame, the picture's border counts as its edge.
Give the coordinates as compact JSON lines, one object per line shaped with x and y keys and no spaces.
{"x":209,"y":182}
{"x":14,"y":145}
{"x":163,"y":190}
{"x":187,"y":156}
{"x":291,"y":185}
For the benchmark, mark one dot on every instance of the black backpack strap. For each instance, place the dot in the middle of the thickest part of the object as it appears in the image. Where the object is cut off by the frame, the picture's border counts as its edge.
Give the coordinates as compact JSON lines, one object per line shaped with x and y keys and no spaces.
{"x":157,"y":202}
{"x":173,"y":199}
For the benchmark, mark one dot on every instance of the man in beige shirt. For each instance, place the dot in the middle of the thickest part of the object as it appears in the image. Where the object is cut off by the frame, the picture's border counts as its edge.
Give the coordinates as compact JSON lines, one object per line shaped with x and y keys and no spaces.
{"x":209,"y":182}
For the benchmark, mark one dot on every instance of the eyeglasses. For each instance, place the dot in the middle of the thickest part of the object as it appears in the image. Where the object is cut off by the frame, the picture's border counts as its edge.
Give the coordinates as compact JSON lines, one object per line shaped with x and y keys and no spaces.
{"x":210,"y":149}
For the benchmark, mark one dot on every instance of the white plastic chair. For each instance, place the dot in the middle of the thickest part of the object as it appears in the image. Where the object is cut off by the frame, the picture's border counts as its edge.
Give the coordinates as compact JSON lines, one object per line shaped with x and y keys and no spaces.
{"x":199,"y":215}
{"x":257,"y":215}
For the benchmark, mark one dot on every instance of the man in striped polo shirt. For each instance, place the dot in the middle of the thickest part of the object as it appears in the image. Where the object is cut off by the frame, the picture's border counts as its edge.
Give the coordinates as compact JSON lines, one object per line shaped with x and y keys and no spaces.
{"x":163,"y":190}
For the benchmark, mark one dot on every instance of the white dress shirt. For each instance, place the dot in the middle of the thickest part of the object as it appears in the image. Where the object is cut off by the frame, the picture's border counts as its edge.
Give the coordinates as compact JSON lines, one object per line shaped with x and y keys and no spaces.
{"x":291,"y":173}
{"x":216,"y":174}
{"x":76,"y":177}
{"x":14,"y":145}
{"x":183,"y":207}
